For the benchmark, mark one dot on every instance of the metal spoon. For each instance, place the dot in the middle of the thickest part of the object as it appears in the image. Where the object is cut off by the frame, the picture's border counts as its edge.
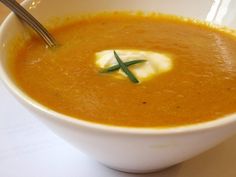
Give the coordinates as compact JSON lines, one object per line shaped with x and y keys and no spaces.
{"x":31,"y":21}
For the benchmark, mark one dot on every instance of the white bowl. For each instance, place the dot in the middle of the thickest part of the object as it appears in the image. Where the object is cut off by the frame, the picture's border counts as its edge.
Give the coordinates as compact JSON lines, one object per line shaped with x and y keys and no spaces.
{"x":126,"y":149}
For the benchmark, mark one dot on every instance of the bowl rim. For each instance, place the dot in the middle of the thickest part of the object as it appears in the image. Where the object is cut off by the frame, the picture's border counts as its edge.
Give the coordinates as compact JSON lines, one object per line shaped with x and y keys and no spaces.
{"x":16,"y":91}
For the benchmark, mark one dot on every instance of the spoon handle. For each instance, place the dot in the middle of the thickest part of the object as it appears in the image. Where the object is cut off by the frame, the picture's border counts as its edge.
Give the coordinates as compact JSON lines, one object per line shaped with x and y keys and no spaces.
{"x":31,"y":21}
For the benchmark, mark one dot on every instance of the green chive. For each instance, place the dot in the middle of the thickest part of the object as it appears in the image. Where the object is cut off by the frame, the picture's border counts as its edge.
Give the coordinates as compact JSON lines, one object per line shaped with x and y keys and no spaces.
{"x":125,"y":69}
{"x":117,"y":67}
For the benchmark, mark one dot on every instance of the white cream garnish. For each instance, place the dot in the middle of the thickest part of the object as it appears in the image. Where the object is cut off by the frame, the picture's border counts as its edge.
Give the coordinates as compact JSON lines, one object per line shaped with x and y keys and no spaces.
{"x":156,"y":63}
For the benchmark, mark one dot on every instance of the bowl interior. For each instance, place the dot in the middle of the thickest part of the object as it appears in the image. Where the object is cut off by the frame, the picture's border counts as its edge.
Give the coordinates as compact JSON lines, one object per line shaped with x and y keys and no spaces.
{"x":215,"y":11}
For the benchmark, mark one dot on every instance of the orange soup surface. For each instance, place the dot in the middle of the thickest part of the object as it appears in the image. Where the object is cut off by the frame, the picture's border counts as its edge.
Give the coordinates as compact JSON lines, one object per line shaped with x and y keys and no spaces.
{"x":201,"y":85}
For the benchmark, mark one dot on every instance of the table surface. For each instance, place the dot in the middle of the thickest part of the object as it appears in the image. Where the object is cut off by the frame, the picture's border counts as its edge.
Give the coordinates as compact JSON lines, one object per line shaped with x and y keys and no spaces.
{"x":29,"y":149}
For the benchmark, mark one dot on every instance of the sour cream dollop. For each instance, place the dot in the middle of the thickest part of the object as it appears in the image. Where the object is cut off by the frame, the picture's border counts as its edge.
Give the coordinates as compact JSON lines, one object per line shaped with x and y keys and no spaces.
{"x":156,"y":63}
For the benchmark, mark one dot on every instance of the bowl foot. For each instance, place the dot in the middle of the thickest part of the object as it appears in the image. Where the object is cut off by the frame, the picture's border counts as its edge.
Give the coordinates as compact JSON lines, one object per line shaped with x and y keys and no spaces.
{"x":134,"y":171}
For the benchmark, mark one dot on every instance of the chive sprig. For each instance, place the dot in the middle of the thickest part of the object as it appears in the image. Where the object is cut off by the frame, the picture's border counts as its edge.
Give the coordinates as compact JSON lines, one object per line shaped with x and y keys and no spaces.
{"x":126,"y":70}
{"x":117,"y":66}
